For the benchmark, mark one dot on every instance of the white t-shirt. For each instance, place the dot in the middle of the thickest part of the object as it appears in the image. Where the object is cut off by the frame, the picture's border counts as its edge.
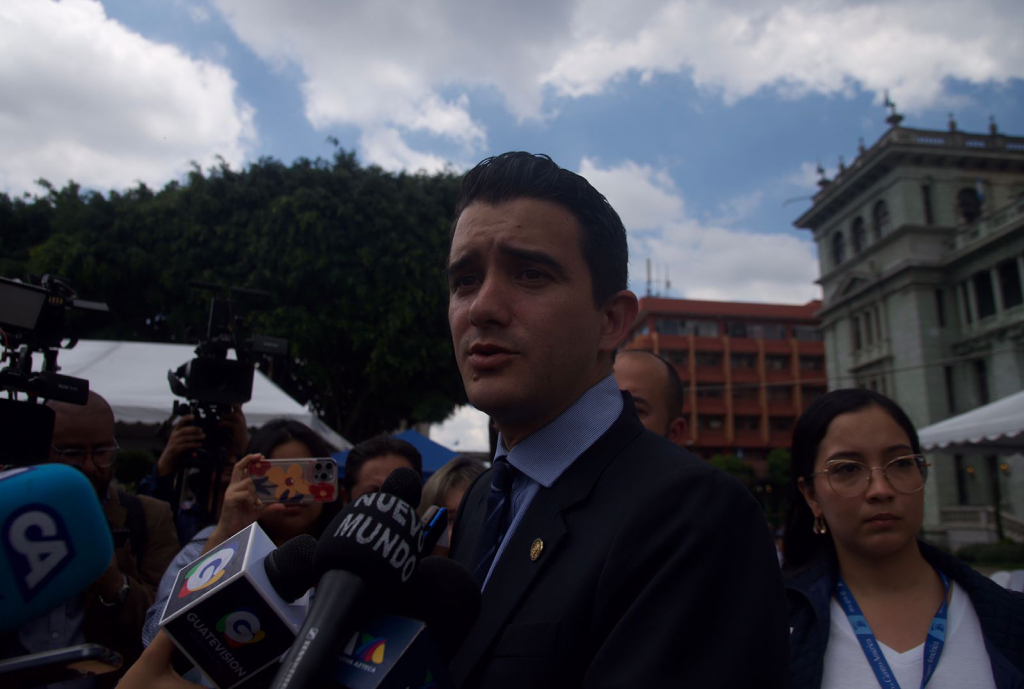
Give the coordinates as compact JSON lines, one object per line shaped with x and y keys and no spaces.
{"x":963,"y":663}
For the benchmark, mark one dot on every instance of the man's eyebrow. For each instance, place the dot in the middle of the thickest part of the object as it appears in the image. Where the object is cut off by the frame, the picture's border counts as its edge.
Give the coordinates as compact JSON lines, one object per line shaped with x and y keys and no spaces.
{"x":457,"y":265}
{"x":538,"y":257}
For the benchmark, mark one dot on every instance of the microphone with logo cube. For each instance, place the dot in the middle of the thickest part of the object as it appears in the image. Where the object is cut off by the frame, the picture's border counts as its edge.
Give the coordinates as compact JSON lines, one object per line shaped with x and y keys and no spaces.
{"x":225,"y":614}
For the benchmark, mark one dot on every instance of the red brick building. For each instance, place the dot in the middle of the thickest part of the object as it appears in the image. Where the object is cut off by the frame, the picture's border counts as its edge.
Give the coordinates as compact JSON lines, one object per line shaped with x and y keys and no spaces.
{"x":748,"y":369}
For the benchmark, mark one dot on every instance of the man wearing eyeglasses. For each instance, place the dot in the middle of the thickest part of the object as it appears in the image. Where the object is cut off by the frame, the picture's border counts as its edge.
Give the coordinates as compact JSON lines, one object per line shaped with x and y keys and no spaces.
{"x":112,"y":610}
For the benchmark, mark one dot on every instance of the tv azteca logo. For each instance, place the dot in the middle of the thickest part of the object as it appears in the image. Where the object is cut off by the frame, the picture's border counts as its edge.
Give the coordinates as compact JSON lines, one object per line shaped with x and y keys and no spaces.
{"x":207,"y":571}
{"x":366,"y":648}
{"x":241,"y":628}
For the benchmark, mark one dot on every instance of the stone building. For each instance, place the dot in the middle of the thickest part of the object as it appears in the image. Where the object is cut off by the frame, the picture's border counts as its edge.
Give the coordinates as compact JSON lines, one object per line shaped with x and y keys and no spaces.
{"x":921,"y":249}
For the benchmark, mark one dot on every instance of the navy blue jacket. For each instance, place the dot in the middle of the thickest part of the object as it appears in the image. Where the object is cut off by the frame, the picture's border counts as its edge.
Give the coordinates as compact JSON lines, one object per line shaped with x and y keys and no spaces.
{"x":1001,"y":613}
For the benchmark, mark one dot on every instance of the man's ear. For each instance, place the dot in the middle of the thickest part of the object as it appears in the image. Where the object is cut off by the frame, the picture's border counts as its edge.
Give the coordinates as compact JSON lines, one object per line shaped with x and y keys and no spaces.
{"x":619,"y":314}
{"x":807,"y":490}
{"x":677,"y":431}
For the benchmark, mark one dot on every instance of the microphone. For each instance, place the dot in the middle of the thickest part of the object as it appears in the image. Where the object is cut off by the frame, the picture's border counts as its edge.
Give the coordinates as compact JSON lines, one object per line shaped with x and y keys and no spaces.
{"x":368,"y":552}
{"x":55,"y":540}
{"x":225,"y":613}
{"x":438,"y":607}
{"x":290,"y":568}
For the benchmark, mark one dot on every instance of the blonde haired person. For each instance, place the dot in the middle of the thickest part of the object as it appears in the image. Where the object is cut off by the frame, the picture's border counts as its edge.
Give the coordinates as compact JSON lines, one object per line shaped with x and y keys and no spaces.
{"x":448,"y":484}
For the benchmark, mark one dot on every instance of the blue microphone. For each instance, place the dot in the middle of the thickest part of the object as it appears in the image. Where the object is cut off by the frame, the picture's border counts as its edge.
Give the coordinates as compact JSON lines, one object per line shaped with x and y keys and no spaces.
{"x":54,"y":537}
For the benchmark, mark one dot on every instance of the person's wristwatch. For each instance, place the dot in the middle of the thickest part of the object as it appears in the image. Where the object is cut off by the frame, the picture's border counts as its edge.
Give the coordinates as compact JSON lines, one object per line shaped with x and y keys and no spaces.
{"x":122,"y":593}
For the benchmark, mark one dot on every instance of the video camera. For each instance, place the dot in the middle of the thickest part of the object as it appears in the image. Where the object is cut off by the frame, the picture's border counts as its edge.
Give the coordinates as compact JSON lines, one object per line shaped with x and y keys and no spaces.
{"x":33,"y":318}
{"x":212,"y":384}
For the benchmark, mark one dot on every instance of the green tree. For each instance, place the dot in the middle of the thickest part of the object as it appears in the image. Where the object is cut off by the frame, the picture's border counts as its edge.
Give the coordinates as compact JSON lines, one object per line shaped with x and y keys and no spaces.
{"x":736,"y":467}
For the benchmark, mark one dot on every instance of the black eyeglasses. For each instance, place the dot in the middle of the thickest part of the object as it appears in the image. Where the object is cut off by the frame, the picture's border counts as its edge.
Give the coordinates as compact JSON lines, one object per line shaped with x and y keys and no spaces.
{"x":102,"y":457}
{"x":850,"y":479}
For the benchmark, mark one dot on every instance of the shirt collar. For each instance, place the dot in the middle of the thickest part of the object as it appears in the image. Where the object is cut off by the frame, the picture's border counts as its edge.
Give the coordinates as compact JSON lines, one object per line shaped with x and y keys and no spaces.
{"x":545,"y":454}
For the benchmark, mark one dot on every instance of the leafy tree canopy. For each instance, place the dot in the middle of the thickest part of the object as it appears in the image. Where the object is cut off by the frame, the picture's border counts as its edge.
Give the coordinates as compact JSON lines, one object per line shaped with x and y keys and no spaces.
{"x":353,"y":258}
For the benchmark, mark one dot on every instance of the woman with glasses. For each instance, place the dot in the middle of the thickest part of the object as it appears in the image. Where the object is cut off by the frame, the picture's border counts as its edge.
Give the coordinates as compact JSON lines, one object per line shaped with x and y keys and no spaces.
{"x":870,"y":604}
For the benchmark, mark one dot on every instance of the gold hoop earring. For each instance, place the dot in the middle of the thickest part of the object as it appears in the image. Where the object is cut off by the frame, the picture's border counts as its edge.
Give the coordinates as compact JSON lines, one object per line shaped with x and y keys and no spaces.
{"x":819,"y":526}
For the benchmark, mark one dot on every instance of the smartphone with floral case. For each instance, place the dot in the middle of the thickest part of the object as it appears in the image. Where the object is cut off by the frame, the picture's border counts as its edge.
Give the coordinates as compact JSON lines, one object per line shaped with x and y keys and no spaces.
{"x":295,"y":480}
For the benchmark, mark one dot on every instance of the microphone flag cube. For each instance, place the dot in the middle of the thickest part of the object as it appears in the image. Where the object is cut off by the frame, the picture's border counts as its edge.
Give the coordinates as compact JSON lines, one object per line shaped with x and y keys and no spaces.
{"x":225,"y":616}
{"x":391,"y":651}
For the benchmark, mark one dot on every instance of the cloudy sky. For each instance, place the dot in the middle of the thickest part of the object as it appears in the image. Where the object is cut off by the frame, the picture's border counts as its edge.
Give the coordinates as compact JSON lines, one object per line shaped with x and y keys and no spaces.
{"x":702,"y":121}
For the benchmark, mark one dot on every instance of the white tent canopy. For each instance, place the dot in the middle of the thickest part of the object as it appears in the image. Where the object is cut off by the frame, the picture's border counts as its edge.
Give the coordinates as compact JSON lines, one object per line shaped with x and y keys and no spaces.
{"x":132,"y":377}
{"x":995,"y":427}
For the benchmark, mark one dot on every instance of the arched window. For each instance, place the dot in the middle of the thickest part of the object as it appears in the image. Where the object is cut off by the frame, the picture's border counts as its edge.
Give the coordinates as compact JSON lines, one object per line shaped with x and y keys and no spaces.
{"x":838,"y":249}
{"x":969,"y":204}
{"x":858,"y":236}
{"x":880,"y":220}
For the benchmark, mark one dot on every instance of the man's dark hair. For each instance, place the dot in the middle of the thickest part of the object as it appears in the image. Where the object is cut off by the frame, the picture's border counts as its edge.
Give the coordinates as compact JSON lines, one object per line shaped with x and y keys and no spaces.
{"x":378,"y":447}
{"x":675,"y":392}
{"x":800,"y":544}
{"x":517,"y":174}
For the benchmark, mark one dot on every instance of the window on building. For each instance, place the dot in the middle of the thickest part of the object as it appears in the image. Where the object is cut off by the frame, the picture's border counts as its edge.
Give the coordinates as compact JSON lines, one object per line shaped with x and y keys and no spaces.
{"x":776,"y":362}
{"x":869,"y":328}
{"x":968,"y":204}
{"x":779,"y":393}
{"x":1009,"y":284}
{"x":984,"y":296}
{"x":962,"y":496}
{"x":781,"y":424}
{"x":880,"y":220}
{"x":710,"y":391}
{"x":965,"y":299}
{"x":711,"y":422}
{"x":858,"y":235}
{"x":709,"y":360}
{"x":812,"y":363}
{"x":684,"y":326}
{"x":926,"y":200}
{"x":702,"y":328}
{"x":806,"y":333}
{"x":855,"y":327}
{"x":735,"y":329}
{"x":741,"y":360}
{"x":747,"y":423}
{"x":981,"y":380}
{"x":940,"y":308}
{"x":950,"y":390}
{"x":676,"y":356}
{"x":838,"y":249}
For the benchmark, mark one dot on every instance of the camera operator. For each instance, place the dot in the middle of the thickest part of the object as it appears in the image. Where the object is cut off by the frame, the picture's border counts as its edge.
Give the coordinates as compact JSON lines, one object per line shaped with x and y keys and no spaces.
{"x":112,"y":610}
{"x":188,"y":437}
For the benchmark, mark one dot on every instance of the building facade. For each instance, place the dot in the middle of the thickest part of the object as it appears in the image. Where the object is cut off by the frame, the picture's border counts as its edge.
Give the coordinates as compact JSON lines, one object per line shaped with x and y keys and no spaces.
{"x":921,"y":250}
{"x":748,"y":369}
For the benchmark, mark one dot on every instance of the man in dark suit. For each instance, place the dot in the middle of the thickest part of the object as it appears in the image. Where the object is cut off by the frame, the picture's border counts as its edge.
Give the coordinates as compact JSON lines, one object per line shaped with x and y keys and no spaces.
{"x":608,"y":556}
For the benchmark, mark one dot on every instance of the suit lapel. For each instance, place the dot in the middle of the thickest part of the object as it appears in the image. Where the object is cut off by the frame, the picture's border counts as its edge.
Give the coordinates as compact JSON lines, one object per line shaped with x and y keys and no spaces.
{"x":516,"y":572}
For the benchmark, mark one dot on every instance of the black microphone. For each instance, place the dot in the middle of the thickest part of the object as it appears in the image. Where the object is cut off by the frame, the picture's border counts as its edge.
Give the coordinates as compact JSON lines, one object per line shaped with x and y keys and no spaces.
{"x":367,"y":553}
{"x":419,"y":632}
{"x":290,"y":568}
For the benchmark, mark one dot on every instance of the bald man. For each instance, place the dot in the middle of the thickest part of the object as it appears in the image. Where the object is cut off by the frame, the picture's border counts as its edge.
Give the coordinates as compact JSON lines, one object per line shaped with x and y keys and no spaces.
{"x":657,"y":392}
{"x":112,"y":610}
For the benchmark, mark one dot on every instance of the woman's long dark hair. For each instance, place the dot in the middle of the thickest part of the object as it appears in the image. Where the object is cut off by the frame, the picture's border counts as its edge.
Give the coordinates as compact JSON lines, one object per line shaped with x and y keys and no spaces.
{"x":800,"y":544}
{"x":277,"y":432}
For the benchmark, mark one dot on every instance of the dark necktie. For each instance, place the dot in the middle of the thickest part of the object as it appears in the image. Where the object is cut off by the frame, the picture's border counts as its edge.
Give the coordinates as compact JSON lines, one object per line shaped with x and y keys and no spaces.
{"x":495,"y":521}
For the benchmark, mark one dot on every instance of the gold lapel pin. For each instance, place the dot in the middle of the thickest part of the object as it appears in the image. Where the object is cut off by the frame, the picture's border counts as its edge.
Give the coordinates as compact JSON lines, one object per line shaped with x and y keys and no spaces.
{"x":536,"y":549}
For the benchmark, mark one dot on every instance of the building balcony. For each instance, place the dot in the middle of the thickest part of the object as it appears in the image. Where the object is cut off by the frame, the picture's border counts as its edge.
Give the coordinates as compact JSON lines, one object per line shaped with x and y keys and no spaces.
{"x":745,"y":375}
{"x":777,"y":347}
{"x":780,"y":439}
{"x":1012,"y":214}
{"x":710,"y":438}
{"x":871,"y":354}
{"x":748,"y":439}
{"x":746,"y":407}
{"x":776,"y":375}
{"x":710,"y":375}
{"x":711,"y":405}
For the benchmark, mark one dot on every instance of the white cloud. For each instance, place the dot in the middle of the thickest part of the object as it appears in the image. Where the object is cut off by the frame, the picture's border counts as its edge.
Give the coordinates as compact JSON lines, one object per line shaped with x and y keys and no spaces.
{"x":464,"y":431}
{"x":386,"y":147}
{"x":407,"y":67}
{"x":87,"y":99}
{"x":825,"y":46}
{"x":706,"y":260}
{"x":738,"y":208}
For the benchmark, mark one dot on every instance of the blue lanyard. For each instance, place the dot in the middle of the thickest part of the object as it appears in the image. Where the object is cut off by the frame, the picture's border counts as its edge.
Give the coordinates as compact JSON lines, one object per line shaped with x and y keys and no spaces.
{"x":932,"y":645}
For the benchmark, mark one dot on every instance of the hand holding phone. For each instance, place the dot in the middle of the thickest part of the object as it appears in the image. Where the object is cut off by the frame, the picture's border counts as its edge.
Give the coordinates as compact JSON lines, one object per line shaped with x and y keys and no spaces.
{"x":295,"y":480}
